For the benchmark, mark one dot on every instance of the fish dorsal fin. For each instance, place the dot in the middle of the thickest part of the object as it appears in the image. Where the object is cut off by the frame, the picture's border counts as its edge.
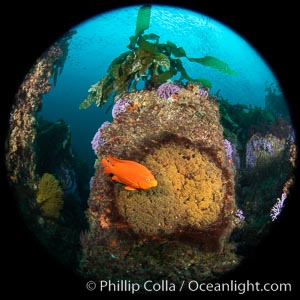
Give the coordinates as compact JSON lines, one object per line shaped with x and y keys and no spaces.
{"x":114,"y":160}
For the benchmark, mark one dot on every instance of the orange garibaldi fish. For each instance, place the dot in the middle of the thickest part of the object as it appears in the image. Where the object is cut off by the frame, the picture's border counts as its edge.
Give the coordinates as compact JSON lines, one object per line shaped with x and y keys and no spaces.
{"x":134,"y":175}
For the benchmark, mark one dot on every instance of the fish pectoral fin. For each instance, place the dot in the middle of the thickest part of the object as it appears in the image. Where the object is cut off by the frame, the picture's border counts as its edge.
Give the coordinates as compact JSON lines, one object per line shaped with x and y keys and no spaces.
{"x":129,"y":188}
{"x":106,"y":165}
{"x":116,"y":178}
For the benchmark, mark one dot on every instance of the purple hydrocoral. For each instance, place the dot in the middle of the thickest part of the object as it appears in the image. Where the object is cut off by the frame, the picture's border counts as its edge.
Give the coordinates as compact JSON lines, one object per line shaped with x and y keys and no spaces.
{"x":228,"y":149}
{"x":203,"y":92}
{"x":277,"y":208}
{"x":291,"y":139}
{"x":98,"y":138}
{"x":119,"y":107}
{"x":231,"y":153}
{"x":240,"y":215}
{"x":257,"y":145}
{"x":166,"y":90}
{"x":92,"y":179}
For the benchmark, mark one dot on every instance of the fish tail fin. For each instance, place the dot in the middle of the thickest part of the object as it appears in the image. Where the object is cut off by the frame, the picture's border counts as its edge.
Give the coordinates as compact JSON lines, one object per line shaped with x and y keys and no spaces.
{"x":107,"y":166}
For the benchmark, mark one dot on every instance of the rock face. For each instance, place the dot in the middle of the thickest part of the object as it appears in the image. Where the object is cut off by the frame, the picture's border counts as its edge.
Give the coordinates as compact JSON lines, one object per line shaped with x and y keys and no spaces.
{"x":21,"y":154}
{"x":181,"y":141}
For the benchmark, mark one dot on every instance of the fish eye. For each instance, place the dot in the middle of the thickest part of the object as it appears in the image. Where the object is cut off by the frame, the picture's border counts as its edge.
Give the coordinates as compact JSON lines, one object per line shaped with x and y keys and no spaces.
{"x":148,"y":179}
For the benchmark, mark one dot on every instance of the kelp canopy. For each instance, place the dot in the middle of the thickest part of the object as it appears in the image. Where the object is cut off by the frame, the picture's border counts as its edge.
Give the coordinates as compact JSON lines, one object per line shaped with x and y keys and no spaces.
{"x":150,"y":61}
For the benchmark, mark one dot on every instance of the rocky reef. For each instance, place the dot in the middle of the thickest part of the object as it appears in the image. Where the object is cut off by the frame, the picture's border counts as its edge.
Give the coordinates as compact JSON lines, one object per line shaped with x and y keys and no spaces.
{"x":261,"y":145}
{"x":41,"y":167}
{"x":21,"y":155}
{"x":190,"y":211}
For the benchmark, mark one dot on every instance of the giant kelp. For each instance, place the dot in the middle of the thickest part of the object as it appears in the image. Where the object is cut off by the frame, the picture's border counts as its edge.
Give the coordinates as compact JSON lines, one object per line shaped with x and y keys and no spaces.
{"x":58,"y":65}
{"x":147,"y":60}
{"x":275,"y":102}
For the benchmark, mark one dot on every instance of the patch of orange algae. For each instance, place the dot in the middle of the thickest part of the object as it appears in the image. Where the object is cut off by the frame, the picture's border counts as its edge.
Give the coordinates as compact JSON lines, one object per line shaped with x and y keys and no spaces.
{"x":113,"y":243}
{"x":104,"y":221}
{"x":133,"y":107}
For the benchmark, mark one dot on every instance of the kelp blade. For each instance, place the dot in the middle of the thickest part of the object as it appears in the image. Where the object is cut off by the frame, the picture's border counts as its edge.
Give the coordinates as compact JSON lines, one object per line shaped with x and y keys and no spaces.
{"x":143,"y":19}
{"x":210,"y":61}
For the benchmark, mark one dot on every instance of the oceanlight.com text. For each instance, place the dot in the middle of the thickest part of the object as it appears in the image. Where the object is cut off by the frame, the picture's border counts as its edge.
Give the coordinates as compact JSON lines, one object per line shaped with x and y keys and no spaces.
{"x":239,"y":287}
{"x":185,"y":285}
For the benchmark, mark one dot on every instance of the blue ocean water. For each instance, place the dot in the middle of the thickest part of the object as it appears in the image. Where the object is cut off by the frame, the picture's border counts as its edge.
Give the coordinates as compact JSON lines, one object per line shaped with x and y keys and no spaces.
{"x":99,"y":40}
